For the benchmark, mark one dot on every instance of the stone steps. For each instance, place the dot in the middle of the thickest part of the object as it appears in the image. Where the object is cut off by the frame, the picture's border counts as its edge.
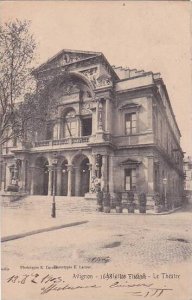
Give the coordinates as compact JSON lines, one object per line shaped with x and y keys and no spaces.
{"x":44,"y":203}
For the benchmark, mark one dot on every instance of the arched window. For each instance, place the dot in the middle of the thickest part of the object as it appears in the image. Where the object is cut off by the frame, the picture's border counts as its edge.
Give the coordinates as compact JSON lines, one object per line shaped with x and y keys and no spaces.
{"x":70,"y":124}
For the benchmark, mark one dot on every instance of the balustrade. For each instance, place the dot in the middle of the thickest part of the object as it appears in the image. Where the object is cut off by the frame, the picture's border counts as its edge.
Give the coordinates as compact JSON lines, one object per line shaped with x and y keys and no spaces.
{"x":65,"y":141}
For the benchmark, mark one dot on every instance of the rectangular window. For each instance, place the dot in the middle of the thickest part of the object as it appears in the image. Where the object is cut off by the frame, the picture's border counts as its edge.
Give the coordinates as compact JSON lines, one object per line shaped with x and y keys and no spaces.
{"x":130,"y":123}
{"x":130,"y":179}
{"x":73,"y":128}
{"x":49,"y":133}
{"x":86,"y":126}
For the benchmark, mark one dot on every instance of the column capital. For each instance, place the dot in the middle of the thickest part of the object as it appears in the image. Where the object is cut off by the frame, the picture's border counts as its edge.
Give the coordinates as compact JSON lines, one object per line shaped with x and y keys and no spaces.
{"x":90,"y":166}
{"x":69,"y":168}
{"x":50,"y":168}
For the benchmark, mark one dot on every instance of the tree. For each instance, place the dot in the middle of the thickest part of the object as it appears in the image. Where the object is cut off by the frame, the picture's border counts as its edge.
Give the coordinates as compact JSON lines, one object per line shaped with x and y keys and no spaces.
{"x":17,"y":54}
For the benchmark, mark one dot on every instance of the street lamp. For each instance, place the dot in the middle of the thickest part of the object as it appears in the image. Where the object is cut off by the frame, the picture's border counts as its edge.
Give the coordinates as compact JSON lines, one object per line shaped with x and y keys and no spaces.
{"x":165,"y":190}
{"x":53,"y":168}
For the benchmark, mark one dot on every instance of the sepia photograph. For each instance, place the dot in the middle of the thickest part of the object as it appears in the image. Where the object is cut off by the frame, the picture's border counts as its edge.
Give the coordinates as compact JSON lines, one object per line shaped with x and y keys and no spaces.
{"x":96,"y":150}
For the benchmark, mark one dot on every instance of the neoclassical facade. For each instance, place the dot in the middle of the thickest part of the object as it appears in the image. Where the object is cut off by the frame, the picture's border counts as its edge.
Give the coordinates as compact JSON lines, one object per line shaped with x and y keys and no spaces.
{"x":110,"y":123}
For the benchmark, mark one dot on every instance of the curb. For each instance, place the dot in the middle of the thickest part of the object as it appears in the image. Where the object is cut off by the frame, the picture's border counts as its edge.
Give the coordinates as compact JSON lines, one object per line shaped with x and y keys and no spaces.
{"x":169,"y":212}
{"x":22,"y":235}
{"x":144,"y":214}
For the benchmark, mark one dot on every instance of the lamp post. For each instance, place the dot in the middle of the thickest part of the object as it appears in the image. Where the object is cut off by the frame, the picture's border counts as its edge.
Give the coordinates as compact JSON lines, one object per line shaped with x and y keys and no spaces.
{"x":165,"y":191}
{"x":54,"y":168}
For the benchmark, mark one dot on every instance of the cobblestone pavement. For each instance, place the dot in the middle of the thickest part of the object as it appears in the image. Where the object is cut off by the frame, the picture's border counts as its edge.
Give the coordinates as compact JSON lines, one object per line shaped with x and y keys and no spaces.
{"x":111,"y":242}
{"x":145,"y":239}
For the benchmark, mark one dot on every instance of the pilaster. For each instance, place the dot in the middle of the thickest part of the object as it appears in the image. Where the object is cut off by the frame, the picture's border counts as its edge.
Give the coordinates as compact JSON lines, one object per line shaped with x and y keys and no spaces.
{"x":150,"y":173}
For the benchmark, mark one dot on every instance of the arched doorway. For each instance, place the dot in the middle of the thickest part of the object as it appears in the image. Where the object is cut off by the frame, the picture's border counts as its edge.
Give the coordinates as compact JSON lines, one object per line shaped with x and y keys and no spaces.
{"x":64,"y":179}
{"x":85,"y":177}
{"x":80,"y":175}
{"x":41,"y":176}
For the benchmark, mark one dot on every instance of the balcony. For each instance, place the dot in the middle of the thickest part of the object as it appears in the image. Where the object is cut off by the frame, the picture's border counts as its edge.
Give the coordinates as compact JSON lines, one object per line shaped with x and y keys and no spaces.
{"x":61,"y":143}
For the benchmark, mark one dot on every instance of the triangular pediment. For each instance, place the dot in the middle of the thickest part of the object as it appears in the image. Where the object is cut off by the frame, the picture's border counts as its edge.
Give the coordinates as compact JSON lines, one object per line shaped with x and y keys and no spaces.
{"x":67,"y":57}
{"x":92,"y":65}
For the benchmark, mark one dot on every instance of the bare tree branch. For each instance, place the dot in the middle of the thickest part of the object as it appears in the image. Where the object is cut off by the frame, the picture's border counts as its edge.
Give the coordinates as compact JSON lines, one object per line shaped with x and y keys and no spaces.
{"x":17,"y":53}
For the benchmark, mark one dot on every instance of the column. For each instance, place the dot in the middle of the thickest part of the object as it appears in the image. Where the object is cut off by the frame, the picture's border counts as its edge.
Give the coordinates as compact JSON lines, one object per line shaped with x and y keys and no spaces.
{"x":93,"y":165}
{"x":32,"y":184}
{"x":59,"y":183}
{"x":50,"y":180}
{"x":149,"y":113}
{"x":90,"y":177}
{"x":8,"y":175}
{"x":111,"y":175}
{"x":107,"y":115}
{"x":31,"y":178}
{"x":105,"y":173}
{"x":99,"y":116}
{"x":69,"y":169}
{"x":77,"y":181}
{"x":23,"y":175}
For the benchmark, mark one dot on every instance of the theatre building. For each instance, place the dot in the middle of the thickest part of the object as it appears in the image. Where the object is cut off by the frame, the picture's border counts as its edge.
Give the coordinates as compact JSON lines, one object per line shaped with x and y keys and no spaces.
{"x":123,"y":115}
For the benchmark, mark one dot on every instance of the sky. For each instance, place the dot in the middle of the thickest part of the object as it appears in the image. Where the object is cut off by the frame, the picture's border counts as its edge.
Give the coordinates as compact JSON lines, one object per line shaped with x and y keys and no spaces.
{"x":150,"y":35}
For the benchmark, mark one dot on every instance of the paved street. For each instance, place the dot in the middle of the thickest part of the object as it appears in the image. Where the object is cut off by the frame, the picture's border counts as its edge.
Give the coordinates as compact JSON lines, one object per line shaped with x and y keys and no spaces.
{"x":149,"y":240}
{"x":110,"y":242}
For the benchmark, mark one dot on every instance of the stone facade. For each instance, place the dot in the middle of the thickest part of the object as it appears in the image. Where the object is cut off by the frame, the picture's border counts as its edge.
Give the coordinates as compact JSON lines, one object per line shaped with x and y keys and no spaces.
{"x":188,"y":178}
{"x":123,"y":115}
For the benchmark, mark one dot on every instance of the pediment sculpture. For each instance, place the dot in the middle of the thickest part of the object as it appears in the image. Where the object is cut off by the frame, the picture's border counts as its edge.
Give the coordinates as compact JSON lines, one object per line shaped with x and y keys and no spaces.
{"x":70,"y":58}
{"x":96,"y":79}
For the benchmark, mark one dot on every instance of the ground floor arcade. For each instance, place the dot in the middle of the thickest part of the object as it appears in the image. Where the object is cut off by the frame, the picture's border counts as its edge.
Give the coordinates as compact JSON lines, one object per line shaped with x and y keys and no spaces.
{"x":72,"y":173}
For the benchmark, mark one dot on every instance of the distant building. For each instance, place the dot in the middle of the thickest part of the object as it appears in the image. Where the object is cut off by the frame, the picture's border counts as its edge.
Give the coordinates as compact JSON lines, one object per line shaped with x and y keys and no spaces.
{"x":123,"y":115}
{"x":188,"y":178}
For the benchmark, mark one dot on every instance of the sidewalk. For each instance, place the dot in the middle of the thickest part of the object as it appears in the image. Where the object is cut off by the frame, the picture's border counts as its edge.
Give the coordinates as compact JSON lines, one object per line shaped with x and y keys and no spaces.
{"x":21,"y":222}
{"x":25,"y":234}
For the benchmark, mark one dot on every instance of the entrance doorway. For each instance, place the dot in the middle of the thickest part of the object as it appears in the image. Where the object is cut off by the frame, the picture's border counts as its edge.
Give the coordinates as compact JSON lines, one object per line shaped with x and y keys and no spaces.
{"x":85,"y":177}
{"x":64,"y":178}
{"x":41,"y":176}
{"x":80,"y":175}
